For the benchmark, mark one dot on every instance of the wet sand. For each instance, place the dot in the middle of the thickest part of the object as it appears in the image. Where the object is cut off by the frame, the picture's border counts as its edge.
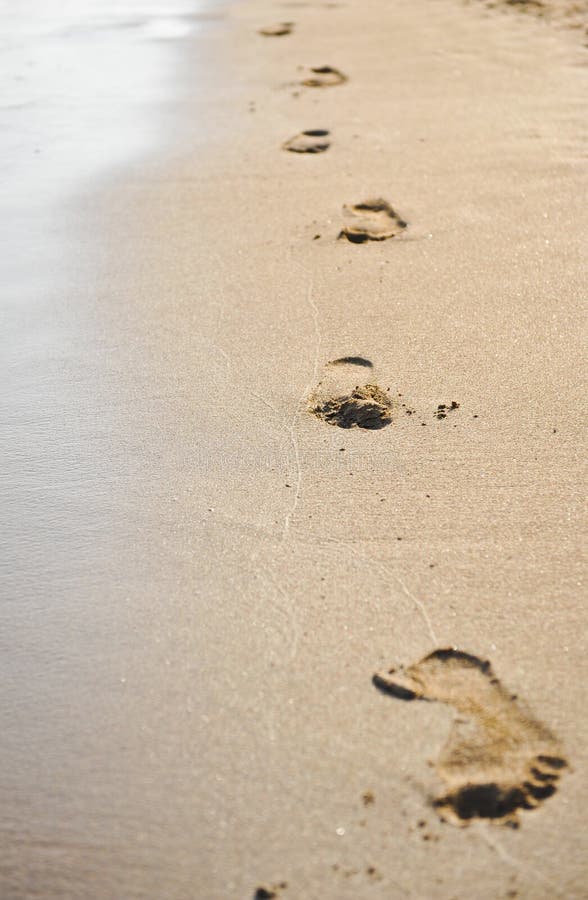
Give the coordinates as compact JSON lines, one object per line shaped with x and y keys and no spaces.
{"x":202,"y":577}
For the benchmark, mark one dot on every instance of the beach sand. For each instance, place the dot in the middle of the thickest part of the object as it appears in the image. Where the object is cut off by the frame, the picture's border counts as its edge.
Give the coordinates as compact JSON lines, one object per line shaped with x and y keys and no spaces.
{"x":203,"y":575}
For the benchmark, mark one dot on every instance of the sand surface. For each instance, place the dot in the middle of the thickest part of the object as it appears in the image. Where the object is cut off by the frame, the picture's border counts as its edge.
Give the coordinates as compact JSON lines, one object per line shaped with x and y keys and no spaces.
{"x":202,"y":576}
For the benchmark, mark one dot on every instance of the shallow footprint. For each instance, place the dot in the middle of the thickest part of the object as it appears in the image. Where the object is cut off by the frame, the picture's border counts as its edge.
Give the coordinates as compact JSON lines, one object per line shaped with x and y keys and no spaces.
{"x":314,"y":141}
{"x":499,"y":759}
{"x":324,"y":76}
{"x":277,"y":30}
{"x":372,"y":220}
{"x":344,"y":398}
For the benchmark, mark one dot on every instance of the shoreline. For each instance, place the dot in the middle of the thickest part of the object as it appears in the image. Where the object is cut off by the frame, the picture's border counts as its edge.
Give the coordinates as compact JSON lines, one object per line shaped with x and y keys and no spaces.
{"x":203,"y":675}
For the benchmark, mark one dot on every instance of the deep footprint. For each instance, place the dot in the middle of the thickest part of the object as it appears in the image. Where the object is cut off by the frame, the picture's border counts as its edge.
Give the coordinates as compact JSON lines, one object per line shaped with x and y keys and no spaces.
{"x":324,"y":76}
{"x":499,"y":759}
{"x":344,"y":399}
{"x":277,"y":30}
{"x":314,"y":141}
{"x":372,"y":220}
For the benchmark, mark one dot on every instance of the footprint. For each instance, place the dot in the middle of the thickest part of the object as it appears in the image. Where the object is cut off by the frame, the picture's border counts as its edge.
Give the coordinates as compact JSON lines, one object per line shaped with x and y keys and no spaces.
{"x":373,"y":220}
{"x":344,"y":398}
{"x":277,"y":30}
{"x":499,"y":759}
{"x":324,"y":76}
{"x":315,"y":141}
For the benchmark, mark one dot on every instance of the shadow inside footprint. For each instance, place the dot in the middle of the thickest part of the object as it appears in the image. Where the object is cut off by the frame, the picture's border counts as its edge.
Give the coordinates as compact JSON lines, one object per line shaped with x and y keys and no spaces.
{"x":372,"y":220}
{"x":352,"y":361}
{"x":395,"y":690}
{"x":313,"y":141}
{"x":340,"y":400}
{"x":499,"y":759}
{"x":324,"y":76}
{"x":277,"y":30}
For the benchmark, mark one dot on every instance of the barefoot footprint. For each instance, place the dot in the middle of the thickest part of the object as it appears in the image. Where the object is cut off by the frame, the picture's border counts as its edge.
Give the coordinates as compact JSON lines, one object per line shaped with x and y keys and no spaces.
{"x":499,"y":759}
{"x":324,"y":76}
{"x":313,"y":141}
{"x":345,"y":399}
{"x":372,"y":220}
{"x":277,"y":30}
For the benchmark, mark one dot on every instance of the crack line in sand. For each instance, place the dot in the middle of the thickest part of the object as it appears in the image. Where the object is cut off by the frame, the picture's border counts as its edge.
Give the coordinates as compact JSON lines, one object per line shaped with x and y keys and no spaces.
{"x":418,"y":603}
{"x":421,"y":606}
{"x":288,"y":610}
{"x":226,"y":356}
{"x":292,"y":426}
{"x":253,"y":393}
{"x":519,"y":866}
{"x":317,"y":332}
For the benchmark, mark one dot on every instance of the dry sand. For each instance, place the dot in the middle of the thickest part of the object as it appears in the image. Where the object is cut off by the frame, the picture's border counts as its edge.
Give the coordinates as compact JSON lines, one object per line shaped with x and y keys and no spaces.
{"x":205,"y":576}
